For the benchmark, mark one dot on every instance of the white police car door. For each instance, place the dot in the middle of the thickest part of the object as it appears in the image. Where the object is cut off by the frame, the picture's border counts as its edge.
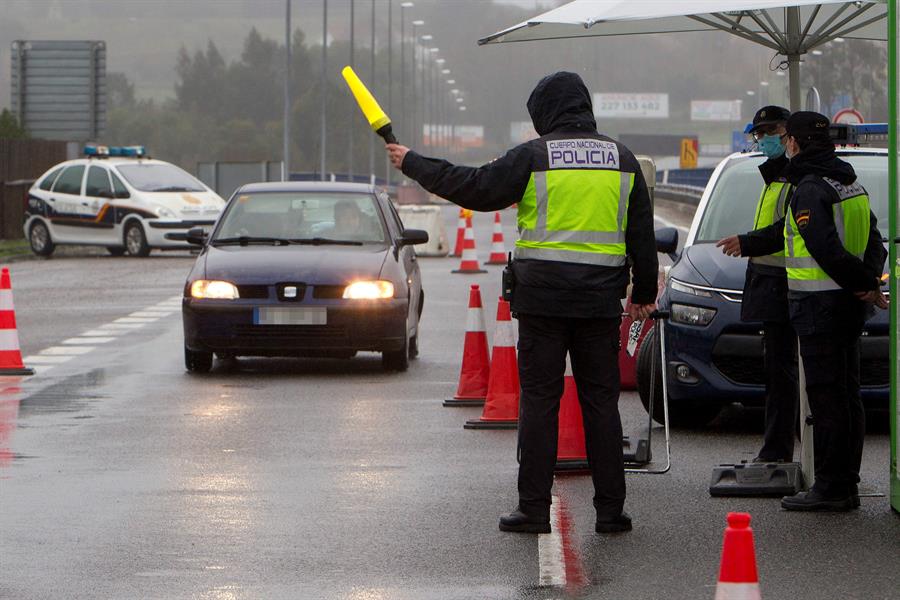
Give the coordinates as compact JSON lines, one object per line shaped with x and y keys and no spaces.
{"x":65,"y":204}
{"x":97,"y":211}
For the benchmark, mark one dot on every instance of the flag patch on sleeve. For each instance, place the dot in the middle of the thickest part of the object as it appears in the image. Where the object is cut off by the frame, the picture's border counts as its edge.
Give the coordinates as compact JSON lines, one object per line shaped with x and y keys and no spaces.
{"x":803,"y":219}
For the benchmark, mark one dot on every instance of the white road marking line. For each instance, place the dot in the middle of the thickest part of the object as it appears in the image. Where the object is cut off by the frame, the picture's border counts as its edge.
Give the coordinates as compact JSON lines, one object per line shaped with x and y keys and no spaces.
{"x":133,"y":320}
{"x":98,"y":333}
{"x":122,"y":326}
{"x":78,"y":341}
{"x":551,"y":562}
{"x":66,"y":350}
{"x":154,"y":314}
{"x":44,"y":359}
{"x":41,"y":369}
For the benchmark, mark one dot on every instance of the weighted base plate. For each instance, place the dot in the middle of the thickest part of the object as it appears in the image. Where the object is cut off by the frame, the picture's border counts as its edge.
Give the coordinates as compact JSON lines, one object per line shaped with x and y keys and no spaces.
{"x":464,"y":402}
{"x":22,"y":371}
{"x":479,"y":424}
{"x":756,"y":479}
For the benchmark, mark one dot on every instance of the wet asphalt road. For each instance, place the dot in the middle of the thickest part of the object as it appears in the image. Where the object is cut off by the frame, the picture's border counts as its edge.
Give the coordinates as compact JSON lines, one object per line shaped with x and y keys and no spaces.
{"x":123,"y":477}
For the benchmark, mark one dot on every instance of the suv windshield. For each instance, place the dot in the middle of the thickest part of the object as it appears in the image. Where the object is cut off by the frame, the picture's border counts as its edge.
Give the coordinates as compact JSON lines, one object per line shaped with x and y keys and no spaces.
{"x":159,"y":178}
{"x":303,"y":216}
{"x":732,"y":205}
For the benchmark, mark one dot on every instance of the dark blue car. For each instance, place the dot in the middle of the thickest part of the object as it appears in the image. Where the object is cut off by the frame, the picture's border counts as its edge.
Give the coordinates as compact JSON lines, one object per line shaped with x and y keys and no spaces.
{"x":712,"y":357}
{"x":304,"y":269}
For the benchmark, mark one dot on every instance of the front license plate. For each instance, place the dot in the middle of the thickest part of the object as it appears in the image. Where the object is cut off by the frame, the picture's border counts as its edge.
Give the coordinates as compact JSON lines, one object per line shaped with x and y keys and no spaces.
{"x":284,"y":315}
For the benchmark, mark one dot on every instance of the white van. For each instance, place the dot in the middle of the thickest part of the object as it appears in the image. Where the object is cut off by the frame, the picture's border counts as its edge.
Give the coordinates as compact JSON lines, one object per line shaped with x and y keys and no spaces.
{"x":118,"y":198}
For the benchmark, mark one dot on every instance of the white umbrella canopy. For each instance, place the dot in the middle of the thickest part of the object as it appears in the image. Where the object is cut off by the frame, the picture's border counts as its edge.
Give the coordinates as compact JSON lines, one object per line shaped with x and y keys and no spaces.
{"x":789,"y":27}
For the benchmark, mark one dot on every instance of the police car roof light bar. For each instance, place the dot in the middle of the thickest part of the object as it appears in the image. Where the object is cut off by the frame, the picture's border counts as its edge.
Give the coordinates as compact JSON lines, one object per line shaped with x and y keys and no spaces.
{"x":98,"y":151}
{"x":857,"y":134}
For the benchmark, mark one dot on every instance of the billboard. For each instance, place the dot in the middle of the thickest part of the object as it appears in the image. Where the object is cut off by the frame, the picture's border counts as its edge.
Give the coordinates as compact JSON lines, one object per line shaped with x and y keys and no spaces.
{"x":716,"y":110}
{"x":521,"y":131}
{"x":631,"y":106}
{"x":469,"y":136}
{"x":59,"y":88}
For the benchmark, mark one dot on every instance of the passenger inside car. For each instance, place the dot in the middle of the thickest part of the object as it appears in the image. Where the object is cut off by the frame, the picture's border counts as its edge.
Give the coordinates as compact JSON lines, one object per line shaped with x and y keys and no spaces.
{"x":350,"y":223}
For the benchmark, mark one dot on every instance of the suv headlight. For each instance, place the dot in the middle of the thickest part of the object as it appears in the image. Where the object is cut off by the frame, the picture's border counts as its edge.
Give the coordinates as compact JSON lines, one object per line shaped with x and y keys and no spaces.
{"x":692,"y":315}
{"x":165,"y":213}
{"x":686,"y":288}
{"x":369,"y":290}
{"x":214,"y":290}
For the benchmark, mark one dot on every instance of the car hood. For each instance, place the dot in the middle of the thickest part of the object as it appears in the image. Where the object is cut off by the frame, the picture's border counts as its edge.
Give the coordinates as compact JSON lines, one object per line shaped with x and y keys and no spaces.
{"x":188,"y":204}
{"x":704,"y":264}
{"x":313,"y":265}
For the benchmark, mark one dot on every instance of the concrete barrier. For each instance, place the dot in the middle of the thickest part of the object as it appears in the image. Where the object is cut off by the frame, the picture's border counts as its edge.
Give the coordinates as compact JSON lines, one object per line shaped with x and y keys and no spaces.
{"x":430,"y":219}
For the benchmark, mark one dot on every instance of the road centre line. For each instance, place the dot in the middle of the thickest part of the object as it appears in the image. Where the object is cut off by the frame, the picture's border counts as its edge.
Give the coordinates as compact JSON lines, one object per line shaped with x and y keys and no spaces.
{"x":148,"y":314}
{"x":99,"y":333}
{"x":66,"y":350}
{"x":133,"y":320}
{"x":551,"y":561}
{"x":45,"y":359}
{"x":114,"y":326}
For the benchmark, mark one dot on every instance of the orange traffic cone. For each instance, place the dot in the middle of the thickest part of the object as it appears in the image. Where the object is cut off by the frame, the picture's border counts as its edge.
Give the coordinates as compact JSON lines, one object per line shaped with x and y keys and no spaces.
{"x":475,"y":370}
{"x":10,"y":354}
{"x":738,"y":579}
{"x":469,"y":262}
{"x":501,"y":406}
{"x":498,"y":251}
{"x":571,"y":453}
{"x":460,"y":233}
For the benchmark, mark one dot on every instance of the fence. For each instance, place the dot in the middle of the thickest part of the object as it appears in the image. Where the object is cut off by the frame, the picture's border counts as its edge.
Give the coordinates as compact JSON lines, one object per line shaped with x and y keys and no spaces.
{"x":21,"y":162}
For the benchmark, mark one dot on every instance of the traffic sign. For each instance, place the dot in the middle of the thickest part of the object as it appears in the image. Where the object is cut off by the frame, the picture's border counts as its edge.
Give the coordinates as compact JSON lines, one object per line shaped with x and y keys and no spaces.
{"x":689,"y":152}
{"x":848,"y":115}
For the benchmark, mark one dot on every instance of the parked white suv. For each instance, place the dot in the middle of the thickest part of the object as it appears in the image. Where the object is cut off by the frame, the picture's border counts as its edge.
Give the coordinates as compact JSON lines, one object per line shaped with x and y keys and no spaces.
{"x":117,"y":198}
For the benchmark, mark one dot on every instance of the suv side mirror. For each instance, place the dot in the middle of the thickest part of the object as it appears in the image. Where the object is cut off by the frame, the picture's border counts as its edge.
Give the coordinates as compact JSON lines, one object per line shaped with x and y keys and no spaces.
{"x":667,"y":242}
{"x":196,"y":236}
{"x":412,"y":237}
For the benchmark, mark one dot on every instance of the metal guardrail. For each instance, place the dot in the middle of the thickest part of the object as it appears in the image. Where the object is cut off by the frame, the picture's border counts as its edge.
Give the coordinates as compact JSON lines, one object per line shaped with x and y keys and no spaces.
{"x":687,"y":194}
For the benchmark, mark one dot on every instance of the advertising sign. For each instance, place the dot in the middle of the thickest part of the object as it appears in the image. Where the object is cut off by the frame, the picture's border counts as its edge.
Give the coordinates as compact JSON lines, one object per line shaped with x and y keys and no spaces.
{"x":521,"y":131}
{"x":631,"y":106}
{"x":716,"y":110}
{"x":469,"y":136}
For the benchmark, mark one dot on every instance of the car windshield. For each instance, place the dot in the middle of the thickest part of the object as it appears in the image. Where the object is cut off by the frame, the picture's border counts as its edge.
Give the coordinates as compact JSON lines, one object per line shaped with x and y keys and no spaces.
{"x":313,"y":217}
{"x":732,"y":204}
{"x":159,"y":178}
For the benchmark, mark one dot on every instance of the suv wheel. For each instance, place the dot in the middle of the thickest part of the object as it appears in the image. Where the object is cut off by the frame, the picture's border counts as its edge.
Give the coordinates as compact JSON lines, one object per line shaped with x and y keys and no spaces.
{"x":136,"y":240}
{"x":40,"y":240}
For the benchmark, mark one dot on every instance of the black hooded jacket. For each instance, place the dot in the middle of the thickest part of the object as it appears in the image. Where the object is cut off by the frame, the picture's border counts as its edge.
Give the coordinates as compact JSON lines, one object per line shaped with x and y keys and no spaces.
{"x":560,"y":108}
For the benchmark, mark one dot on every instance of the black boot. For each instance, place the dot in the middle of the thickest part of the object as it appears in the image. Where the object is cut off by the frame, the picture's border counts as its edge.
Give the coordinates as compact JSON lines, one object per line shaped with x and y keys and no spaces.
{"x":520,"y":522}
{"x":815,"y":501}
{"x":854,"y":495}
{"x":615,"y":524}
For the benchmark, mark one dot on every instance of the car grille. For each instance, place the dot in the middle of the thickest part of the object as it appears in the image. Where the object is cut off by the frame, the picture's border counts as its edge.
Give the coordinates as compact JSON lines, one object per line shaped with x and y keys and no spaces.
{"x":253,"y":291}
{"x":741,"y":370}
{"x":328,"y":292}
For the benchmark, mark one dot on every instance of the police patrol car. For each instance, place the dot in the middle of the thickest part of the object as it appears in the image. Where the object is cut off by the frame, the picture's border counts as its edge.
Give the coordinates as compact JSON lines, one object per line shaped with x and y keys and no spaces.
{"x":119,"y":198}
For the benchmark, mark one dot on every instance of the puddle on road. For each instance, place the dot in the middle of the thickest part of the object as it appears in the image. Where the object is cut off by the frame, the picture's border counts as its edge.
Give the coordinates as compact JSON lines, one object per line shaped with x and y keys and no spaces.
{"x":73,"y":394}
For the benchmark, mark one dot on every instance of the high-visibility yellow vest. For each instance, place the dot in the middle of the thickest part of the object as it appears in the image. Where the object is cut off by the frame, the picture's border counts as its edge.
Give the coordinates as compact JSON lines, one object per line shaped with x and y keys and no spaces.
{"x":770,"y":209}
{"x":577,"y":210}
{"x":851,"y":219}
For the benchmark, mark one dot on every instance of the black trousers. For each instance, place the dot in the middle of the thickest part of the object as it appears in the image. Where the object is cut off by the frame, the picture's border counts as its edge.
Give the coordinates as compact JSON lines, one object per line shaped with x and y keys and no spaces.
{"x":782,"y":402}
{"x":829,"y":327}
{"x":593,"y":347}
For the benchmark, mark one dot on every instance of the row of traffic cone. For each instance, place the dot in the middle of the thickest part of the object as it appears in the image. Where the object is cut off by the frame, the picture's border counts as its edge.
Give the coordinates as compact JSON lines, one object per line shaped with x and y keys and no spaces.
{"x":465,"y":244}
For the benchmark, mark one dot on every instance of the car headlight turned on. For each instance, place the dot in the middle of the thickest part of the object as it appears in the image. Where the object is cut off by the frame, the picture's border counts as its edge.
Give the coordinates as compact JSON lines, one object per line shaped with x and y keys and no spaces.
{"x":214,"y":290}
{"x":164,"y":213}
{"x":369,"y":290}
{"x":692,"y":315}
{"x":686,"y":288}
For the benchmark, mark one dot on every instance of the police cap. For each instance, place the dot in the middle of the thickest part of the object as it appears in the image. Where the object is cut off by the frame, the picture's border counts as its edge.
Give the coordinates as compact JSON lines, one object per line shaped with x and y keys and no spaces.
{"x":769,"y":115}
{"x":807,"y":125}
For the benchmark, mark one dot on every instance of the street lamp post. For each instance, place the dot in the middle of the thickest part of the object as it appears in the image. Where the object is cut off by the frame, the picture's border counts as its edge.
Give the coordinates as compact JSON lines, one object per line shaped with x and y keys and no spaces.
{"x":286,"y":139}
{"x":352,"y":115}
{"x":415,"y":115}
{"x":372,"y":79}
{"x":404,"y":120}
{"x":324,"y":82}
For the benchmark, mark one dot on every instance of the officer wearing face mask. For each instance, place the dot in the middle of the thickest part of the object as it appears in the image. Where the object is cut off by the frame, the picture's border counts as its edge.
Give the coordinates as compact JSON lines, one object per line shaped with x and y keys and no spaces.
{"x":834,"y":256}
{"x":765,"y":286}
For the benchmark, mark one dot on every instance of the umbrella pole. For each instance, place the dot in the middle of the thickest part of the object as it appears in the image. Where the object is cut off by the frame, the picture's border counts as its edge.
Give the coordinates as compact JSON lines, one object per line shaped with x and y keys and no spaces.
{"x":793,"y":56}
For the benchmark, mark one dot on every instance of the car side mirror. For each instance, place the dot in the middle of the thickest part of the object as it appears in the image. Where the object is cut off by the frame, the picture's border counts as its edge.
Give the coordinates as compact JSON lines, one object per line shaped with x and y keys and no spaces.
{"x":667,"y":242}
{"x":106,"y":194}
{"x":196,"y":236}
{"x":122,"y":195}
{"x":412,"y":237}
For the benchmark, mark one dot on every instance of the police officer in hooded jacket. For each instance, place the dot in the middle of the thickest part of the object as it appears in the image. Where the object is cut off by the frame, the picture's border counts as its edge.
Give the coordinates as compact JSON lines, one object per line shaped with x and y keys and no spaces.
{"x":585,"y":224}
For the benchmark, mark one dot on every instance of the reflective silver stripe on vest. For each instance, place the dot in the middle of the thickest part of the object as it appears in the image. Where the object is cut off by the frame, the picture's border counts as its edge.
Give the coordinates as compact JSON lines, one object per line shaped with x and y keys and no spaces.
{"x":587,"y":258}
{"x":801,"y":262}
{"x":812,"y":285}
{"x":779,"y":204}
{"x":769,"y":261}
{"x":790,"y":235}
{"x":839,"y":222}
{"x":540,"y":233}
{"x":578,"y":237}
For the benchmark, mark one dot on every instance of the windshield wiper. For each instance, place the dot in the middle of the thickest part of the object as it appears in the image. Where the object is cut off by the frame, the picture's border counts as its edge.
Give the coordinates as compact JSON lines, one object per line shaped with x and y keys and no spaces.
{"x":319,"y":241}
{"x":244,"y":240}
{"x":174,"y":188}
